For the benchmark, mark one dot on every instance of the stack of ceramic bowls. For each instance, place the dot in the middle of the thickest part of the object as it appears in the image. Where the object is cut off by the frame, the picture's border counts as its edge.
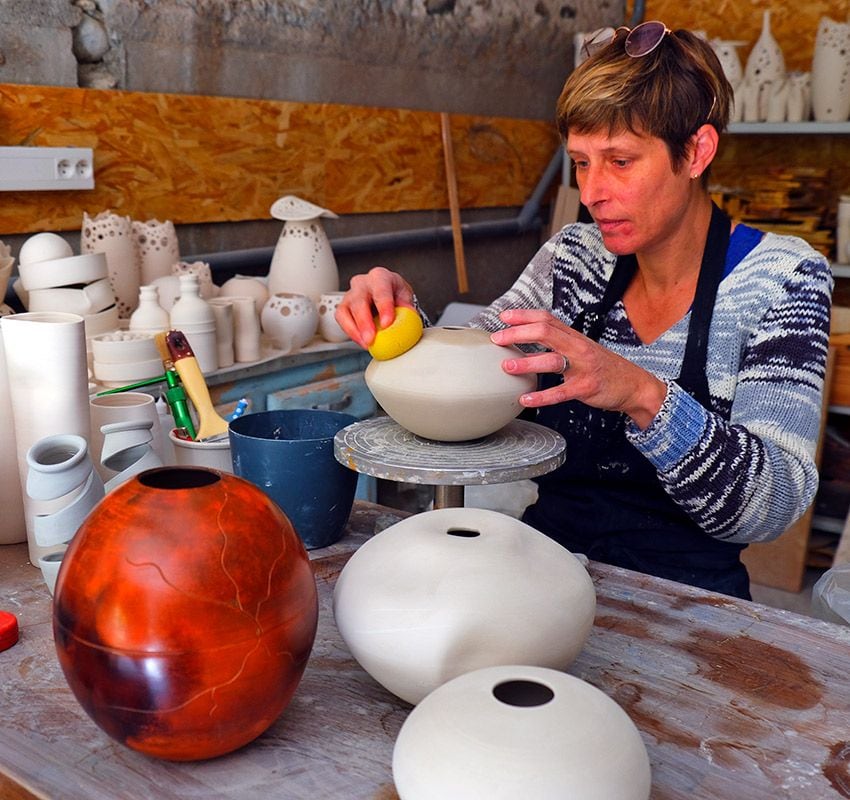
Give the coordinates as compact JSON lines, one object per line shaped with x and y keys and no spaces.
{"x":54,"y":279}
{"x":124,"y":357}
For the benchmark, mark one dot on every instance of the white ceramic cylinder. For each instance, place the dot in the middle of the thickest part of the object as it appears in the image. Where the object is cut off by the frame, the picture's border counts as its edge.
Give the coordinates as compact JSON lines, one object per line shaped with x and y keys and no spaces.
{"x":511,"y":732}
{"x":289,"y":320}
{"x":48,"y":383}
{"x":246,"y":286}
{"x":456,"y":589}
{"x":213,"y":454}
{"x":842,"y":231}
{"x":122,"y":407}
{"x":223,"y":309}
{"x":13,"y":528}
{"x":246,"y":330}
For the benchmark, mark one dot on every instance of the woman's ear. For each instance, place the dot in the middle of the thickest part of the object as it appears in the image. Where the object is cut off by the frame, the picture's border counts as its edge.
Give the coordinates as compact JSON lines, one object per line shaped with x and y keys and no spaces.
{"x":704,"y":149}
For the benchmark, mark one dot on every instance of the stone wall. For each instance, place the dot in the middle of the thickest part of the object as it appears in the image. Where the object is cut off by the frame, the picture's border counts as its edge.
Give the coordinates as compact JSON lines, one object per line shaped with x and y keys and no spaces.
{"x":488,"y":57}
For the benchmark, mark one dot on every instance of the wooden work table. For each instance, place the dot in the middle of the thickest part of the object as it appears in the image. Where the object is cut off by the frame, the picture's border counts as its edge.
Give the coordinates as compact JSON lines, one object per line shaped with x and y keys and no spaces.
{"x":733,"y":700}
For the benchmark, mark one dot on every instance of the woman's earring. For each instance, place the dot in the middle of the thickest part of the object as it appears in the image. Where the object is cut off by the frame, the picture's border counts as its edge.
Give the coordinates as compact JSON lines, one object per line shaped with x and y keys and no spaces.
{"x":694,"y":176}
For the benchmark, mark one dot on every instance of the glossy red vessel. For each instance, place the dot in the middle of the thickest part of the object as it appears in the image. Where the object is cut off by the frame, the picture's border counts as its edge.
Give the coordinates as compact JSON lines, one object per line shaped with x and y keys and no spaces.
{"x":184,"y":613}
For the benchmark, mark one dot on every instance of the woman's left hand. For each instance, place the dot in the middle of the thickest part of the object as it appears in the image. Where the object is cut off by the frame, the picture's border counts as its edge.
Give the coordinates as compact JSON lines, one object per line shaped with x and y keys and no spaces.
{"x":591,"y":373}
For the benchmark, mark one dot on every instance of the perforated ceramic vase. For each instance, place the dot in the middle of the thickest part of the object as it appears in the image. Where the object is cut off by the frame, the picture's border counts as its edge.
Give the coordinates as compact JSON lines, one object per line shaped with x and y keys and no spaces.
{"x":184,"y":614}
{"x":289,"y":320}
{"x":831,"y":71}
{"x":450,"y":386}
{"x":448,"y":591}
{"x":511,"y":732}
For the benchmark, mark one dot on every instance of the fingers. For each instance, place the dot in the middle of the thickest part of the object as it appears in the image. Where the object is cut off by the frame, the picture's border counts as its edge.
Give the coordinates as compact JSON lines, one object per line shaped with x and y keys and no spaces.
{"x":379,"y":291}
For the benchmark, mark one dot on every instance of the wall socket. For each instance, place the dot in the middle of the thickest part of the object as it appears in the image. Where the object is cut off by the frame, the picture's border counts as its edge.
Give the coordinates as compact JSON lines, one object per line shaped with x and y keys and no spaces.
{"x":30,"y":169}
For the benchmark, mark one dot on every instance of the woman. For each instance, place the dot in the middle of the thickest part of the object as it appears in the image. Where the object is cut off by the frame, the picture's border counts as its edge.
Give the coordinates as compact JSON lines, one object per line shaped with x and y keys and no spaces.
{"x":681,"y":357}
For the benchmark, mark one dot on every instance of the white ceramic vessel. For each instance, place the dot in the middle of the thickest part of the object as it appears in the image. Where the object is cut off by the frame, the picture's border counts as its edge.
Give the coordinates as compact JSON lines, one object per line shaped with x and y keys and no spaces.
{"x":13,"y":527}
{"x":456,"y":589}
{"x":831,"y":71}
{"x":58,"y":272}
{"x":289,"y":320}
{"x":303,"y":261}
{"x":511,"y":732}
{"x":329,"y":328}
{"x":214,"y":454}
{"x":246,"y":286}
{"x":246,"y":330}
{"x":450,"y":386}
{"x":112,"y":235}
{"x":158,"y":248}
{"x":765,"y":63}
{"x":149,"y":316}
{"x":223,"y":309}
{"x":44,"y":246}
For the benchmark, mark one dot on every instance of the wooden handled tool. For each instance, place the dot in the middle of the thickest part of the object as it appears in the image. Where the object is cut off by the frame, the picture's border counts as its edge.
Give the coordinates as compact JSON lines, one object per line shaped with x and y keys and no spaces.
{"x":454,"y":204}
{"x":210,"y":423}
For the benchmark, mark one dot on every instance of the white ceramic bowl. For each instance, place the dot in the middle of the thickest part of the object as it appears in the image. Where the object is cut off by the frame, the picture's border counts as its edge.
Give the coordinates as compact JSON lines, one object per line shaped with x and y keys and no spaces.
{"x":127,"y":372}
{"x":90,"y":299}
{"x":63,"y":271}
{"x":102,"y":322}
{"x":120,"y":347}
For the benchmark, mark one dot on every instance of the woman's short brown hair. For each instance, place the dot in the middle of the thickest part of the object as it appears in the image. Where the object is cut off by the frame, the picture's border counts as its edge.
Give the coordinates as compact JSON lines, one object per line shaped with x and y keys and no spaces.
{"x":669,"y":93}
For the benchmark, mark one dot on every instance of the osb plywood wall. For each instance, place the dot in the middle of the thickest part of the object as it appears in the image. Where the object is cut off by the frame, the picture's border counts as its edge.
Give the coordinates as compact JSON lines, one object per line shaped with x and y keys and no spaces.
{"x":191,"y":158}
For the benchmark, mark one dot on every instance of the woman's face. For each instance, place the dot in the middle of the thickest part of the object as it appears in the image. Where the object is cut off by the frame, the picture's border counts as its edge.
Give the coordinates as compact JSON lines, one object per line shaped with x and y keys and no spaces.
{"x":628,"y":185}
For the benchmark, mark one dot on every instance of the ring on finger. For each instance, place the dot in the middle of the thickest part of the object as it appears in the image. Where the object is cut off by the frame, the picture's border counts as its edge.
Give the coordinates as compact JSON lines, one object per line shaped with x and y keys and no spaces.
{"x":564,"y":367}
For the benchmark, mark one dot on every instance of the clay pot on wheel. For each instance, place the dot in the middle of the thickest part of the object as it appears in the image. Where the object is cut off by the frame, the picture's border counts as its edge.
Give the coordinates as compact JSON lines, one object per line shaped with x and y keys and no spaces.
{"x":450,"y":386}
{"x":205,"y":613}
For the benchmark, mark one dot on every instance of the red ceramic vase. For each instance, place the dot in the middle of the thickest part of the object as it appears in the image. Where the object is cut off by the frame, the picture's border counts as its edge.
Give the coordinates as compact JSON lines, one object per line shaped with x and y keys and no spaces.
{"x":184,"y":613}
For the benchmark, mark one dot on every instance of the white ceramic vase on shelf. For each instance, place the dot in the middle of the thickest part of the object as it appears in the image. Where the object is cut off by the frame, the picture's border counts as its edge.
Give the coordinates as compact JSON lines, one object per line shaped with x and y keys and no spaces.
{"x":112,"y":235}
{"x":223,"y":309}
{"x":289,"y":320}
{"x":246,"y":286}
{"x":765,"y":64}
{"x":48,"y":383}
{"x":158,"y":248}
{"x":456,"y":589}
{"x":303,"y":261}
{"x":246,"y":330}
{"x":195,"y":317}
{"x":450,"y":386}
{"x":202,"y":271}
{"x":149,"y":316}
{"x":329,"y":328}
{"x":799,"y":97}
{"x":831,"y":72}
{"x":508,"y":732}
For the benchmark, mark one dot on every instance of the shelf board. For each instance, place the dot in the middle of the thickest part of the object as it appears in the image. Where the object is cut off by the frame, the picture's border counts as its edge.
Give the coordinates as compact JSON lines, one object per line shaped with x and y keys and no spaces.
{"x":841,"y":270}
{"x":789,"y":127}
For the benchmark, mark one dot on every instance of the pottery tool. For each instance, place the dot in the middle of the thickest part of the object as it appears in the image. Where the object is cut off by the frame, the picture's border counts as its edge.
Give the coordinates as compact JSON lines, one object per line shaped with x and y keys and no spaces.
{"x":130,"y":386}
{"x":454,"y":203}
{"x":211,"y":424}
{"x":175,"y":395}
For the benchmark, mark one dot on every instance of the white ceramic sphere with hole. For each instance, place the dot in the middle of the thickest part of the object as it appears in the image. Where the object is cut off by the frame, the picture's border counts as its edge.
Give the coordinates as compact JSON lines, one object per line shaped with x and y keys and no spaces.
{"x":455,"y":589}
{"x":509,"y":732}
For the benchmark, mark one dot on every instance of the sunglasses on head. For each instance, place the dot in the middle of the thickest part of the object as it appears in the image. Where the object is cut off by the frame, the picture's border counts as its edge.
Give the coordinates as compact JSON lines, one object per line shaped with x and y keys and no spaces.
{"x":640,"y":40}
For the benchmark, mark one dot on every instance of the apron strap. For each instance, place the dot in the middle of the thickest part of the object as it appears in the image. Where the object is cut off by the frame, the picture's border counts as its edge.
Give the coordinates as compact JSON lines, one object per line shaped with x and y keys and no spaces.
{"x":692,"y":378}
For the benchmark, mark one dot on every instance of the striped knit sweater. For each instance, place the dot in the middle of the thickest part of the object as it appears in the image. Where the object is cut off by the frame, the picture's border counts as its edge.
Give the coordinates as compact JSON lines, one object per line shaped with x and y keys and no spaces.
{"x":745,"y":470}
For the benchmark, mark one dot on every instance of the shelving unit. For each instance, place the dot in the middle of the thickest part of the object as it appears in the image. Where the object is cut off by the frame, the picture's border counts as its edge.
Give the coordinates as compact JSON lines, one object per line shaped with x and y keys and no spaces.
{"x":807,"y":128}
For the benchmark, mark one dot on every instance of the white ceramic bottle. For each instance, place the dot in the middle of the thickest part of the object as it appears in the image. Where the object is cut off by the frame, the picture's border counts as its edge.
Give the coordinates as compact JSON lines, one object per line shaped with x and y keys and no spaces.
{"x":149,"y":316}
{"x":195,"y":317}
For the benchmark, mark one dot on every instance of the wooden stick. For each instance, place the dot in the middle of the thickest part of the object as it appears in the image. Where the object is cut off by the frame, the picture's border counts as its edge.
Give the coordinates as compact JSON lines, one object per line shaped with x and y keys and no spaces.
{"x":454,"y":204}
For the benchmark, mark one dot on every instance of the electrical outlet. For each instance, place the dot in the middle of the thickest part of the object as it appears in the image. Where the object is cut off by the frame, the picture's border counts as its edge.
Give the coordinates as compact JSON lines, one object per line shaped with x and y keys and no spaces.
{"x":29,"y":169}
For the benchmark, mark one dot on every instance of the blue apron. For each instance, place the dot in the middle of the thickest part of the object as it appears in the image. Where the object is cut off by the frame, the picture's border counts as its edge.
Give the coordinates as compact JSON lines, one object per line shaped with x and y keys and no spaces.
{"x":606,"y":501}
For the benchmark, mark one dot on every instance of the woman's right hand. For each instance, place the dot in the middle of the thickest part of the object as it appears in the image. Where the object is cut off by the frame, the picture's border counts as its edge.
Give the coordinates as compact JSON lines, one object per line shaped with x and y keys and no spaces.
{"x":378,"y":291}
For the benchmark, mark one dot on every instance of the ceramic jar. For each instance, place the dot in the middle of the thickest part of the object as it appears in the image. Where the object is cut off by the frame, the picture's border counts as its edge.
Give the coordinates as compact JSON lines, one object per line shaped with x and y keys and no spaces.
{"x":195,"y":317}
{"x":13,"y":528}
{"x":289,"y":320}
{"x":246,"y":286}
{"x":303,"y":261}
{"x":166,"y":549}
{"x":223,"y":309}
{"x":765,"y":63}
{"x":149,"y":316}
{"x":726,"y":51}
{"x":450,"y":386}
{"x":456,"y":589}
{"x":508,"y":732}
{"x":158,"y":249}
{"x":200,"y":269}
{"x":329,"y":328}
{"x":112,"y":235}
{"x":246,"y":330}
{"x":831,"y":71}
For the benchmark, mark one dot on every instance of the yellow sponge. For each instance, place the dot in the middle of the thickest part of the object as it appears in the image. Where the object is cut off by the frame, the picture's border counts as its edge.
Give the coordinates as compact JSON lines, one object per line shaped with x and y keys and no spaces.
{"x":404,"y":332}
